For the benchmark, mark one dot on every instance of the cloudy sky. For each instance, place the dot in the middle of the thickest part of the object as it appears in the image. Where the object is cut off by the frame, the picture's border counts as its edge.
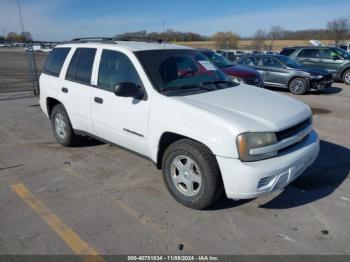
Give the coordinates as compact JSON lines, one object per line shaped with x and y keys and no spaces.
{"x":66,"y":19}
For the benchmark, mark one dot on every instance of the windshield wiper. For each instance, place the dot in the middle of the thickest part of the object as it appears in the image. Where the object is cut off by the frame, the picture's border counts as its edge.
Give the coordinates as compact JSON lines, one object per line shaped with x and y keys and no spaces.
{"x":215,"y":82}
{"x":186,"y":87}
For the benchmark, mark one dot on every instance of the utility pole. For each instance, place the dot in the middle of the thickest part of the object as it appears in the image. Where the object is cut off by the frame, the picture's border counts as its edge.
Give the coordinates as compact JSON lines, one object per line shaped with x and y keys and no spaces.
{"x":4,"y":36}
{"x":30,"y":53}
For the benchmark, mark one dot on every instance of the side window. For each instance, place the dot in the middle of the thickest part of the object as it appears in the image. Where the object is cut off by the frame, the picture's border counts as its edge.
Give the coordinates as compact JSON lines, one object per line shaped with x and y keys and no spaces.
{"x":309,"y":53}
{"x":80,"y":66}
{"x":251,"y":61}
{"x":287,"y":51}
{"x":271,"y":62}
{"x":115,"y":67}
{"x":55,"y":61}
{"x":326,"y":53}
{"x":70,"y":75}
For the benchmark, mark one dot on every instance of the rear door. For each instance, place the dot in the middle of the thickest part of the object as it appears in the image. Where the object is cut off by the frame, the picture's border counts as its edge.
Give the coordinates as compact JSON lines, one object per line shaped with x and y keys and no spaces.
{"x":255,"y":63}
{"x":76,"y":89}
{"x":121,"y":120}
{"x":309,"y":57}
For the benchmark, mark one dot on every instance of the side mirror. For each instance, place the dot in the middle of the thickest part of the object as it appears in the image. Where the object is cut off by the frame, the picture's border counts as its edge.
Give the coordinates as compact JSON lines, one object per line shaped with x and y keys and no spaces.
{"x":336,"y":57}
{"x":127,"y":89}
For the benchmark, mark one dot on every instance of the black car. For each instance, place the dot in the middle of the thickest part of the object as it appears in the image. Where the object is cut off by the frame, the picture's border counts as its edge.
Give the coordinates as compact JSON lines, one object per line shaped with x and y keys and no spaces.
{"x":281,"y":71}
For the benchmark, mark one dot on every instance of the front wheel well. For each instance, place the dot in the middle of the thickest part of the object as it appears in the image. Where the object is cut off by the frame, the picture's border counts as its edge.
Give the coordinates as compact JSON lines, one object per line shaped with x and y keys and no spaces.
{"x":165,"y":141}
{"x":307,"y":81}
{"x":343,"y":72}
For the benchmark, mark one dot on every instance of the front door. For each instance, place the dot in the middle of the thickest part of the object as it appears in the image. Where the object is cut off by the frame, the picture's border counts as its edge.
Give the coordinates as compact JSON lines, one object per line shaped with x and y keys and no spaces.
{"x":276,"y":73}
{"x":121,"y":120}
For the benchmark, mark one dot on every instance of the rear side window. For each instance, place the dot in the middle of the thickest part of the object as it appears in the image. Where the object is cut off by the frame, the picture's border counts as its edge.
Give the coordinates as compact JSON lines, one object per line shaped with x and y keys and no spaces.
{"x":251,"y":61}
{"x":55,"y":61}
{"x":80,"y":66}
{"x":271,"y":62}
{"x":287,"y":51}
{"x":309,"y":53}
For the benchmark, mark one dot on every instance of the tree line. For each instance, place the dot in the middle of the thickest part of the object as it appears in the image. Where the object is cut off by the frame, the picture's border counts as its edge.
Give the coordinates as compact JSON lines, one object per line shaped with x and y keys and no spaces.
{"x":12,"y":37}
{"x":336,"y":29}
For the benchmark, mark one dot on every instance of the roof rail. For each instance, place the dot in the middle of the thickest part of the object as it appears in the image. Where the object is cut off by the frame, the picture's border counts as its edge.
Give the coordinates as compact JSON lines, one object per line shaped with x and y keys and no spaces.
{"x":91,"y":39}
{"x":113,"y":39}
{"x":138,"y":39}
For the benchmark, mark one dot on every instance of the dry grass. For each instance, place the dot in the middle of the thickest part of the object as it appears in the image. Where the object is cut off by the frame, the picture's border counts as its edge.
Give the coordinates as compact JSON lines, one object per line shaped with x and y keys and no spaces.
{"x":246,"y":44}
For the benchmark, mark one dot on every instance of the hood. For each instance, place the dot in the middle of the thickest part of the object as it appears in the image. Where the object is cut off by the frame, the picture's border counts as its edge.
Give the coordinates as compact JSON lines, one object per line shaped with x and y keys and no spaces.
{"x":312,"y":70}
{"x":240,"y":71}
{"x":246,"y":108}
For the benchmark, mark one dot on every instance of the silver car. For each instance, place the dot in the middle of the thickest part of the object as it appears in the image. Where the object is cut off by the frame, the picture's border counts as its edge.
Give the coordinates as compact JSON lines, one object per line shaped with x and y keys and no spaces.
{"x":281,"y":71}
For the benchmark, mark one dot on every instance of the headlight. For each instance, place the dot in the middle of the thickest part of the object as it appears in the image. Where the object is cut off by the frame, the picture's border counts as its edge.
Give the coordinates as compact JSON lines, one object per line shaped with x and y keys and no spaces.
{"x":236,"y":79}
{"x":315,"y":76}
{"x":247,"y":141}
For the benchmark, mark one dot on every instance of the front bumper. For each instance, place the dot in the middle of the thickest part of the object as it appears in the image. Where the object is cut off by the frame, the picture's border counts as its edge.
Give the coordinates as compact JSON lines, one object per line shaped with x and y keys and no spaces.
{"x":321,"y":84}
{"x":245,"y":180}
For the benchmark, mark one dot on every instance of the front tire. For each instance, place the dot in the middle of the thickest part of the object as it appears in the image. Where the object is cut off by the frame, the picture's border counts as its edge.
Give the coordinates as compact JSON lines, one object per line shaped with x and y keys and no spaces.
{"x":62,"y":127}
{"x":298,"y":86}
{"x":346,"y":77}
{"x":191,"y":174}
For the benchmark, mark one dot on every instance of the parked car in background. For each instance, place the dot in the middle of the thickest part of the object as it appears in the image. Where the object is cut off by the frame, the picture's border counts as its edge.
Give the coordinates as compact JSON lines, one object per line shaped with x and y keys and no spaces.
{"x":281,"y":71}
{"x":235,"y":72}
{"x":232,"y":55}
{"x":333,"y":59}
{"x":271,"y":53}
{"x":344,"y":46}
{"x":208,"y":134}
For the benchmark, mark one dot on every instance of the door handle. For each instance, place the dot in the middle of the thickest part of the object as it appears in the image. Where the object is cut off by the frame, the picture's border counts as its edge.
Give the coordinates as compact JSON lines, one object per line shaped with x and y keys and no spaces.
{"x":98,"y":100}
{"x":64,"y":90}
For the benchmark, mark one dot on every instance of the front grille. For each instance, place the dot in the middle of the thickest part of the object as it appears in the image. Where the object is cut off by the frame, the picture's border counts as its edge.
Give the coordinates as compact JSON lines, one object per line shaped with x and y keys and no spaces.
{"x":251,"y":81}
{"x":293,"y":130}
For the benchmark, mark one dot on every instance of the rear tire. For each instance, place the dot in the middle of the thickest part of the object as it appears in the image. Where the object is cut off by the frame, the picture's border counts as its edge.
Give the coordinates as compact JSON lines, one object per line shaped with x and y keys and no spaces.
{"x":298,"y":86}
{"x":62,"y":127}
{"x":191,"y":174}
{"x":346,"y":77}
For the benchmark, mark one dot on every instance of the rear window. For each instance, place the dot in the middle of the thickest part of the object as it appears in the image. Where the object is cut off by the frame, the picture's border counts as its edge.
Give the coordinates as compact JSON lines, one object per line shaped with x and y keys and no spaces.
{"x":80,"y":66}
{"x":55,"y":61}
{"x":287,"y":51}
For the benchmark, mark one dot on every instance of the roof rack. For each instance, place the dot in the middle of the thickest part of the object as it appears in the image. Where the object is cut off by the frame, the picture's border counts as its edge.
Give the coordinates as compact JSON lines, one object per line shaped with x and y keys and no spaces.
{"x":113,"y":39}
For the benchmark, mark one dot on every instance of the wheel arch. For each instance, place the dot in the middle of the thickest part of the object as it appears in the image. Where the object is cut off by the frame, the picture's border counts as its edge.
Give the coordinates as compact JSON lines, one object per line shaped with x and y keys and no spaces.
{"x":50,"y":103}
{"x":299,"y":76}
{"x":168,"y":138}
{"x":343,"y":72}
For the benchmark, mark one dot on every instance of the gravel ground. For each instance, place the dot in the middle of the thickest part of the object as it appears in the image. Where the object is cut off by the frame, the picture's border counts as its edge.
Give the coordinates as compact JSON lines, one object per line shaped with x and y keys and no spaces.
{"x":116,"y":202}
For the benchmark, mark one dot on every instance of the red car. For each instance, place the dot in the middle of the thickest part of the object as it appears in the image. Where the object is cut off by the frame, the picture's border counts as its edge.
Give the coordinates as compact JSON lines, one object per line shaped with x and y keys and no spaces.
{"x":236,"y":72}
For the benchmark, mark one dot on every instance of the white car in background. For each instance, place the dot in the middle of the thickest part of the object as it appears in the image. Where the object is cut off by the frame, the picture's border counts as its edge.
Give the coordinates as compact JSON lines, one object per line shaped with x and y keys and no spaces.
{"x":171,"y":105}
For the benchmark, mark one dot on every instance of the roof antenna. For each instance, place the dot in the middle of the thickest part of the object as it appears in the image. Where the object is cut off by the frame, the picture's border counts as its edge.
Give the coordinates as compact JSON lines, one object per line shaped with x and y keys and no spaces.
{"x":30,"y":53}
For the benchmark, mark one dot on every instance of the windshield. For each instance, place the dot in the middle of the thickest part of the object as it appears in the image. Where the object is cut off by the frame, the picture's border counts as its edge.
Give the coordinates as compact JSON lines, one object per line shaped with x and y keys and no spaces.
{"x":340,"y":52}
{"x":289,"y":62}
{"x":182,"y":69}
{"x":218,"y":60}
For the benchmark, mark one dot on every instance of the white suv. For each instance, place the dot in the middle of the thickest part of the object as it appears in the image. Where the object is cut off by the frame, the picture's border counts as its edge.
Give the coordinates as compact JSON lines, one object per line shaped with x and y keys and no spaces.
{"x":171,"y":105}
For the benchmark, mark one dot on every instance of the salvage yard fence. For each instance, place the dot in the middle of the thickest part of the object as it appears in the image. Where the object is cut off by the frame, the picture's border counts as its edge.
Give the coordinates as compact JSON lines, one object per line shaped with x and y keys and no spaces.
{"x":18,"y":71}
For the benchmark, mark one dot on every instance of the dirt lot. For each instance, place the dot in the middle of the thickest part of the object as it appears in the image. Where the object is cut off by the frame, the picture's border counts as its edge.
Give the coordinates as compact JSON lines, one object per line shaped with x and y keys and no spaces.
{"x":100,"y":198}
